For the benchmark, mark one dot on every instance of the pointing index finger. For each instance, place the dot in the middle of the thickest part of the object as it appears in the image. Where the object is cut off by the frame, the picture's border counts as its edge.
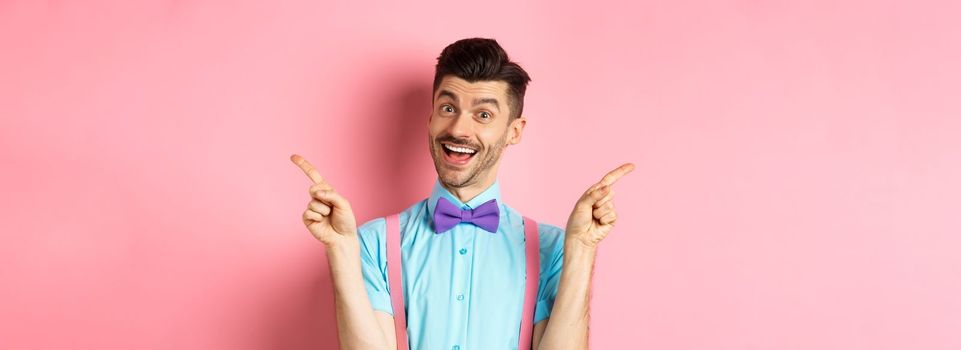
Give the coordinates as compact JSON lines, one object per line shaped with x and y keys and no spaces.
{"x":308,"y":169}
{"x":616,"y":174}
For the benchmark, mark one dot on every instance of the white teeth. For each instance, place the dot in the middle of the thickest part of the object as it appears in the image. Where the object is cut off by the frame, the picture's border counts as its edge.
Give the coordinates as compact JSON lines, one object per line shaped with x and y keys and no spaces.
{"x":459,"y":149}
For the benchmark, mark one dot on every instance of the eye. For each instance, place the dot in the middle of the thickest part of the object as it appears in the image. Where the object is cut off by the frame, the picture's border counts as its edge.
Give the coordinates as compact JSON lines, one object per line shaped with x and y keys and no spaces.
{"x":485,"y":115}
{"x":447,"y":108}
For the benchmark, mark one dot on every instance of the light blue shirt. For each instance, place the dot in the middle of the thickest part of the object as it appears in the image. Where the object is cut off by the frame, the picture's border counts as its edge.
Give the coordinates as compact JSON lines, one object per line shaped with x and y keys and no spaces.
{"x":464,"y":288}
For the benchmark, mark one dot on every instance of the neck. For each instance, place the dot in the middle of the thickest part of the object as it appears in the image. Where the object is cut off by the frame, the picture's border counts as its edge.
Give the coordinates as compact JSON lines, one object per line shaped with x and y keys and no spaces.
{"x":468,"y":192}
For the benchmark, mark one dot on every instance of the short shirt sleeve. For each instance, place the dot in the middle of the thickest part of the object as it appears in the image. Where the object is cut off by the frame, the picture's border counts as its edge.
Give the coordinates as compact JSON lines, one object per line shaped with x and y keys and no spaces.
{"x":373,"y":263}
{"x":552,"y":260}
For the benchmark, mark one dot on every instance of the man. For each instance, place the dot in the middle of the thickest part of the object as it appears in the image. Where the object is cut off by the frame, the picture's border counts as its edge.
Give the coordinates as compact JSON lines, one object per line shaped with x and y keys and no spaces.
{"x":464,"y":283}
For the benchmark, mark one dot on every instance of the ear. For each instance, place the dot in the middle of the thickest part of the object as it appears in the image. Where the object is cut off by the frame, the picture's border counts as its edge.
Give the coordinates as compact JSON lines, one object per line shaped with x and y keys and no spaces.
{"x":430,"y":115}
{"x":516,"y":129}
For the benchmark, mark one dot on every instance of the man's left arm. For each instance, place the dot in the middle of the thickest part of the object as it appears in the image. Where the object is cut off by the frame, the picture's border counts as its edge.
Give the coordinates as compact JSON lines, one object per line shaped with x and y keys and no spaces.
{"x":592,"y":219}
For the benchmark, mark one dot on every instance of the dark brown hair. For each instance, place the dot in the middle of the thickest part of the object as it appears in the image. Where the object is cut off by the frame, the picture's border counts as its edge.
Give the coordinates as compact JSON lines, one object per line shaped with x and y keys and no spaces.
{"x":480,"y":59}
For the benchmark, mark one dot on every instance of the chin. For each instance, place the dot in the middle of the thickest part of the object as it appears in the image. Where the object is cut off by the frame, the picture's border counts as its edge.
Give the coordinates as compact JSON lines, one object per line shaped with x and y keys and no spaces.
{"x":453,"y":180}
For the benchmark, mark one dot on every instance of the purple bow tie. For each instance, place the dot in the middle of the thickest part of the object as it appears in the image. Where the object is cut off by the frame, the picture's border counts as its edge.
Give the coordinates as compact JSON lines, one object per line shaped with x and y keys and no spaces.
{"x":485,"y":216}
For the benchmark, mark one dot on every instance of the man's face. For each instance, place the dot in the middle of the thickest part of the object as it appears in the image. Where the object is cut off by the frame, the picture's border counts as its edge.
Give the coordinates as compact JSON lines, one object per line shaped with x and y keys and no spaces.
{"x":473,"y":119}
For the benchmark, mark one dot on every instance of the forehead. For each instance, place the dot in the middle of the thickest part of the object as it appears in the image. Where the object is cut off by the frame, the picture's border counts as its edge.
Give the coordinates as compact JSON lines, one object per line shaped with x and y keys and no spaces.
{"x":470,"y":90}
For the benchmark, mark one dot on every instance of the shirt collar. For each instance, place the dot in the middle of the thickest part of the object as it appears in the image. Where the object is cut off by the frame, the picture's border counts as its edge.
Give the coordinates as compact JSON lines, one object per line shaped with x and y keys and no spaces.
{"x":492,"y":192}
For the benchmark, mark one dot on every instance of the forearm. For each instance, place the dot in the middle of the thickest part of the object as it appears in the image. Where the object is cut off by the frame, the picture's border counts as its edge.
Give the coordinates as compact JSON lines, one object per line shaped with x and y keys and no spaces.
{"x":357,"y":328}
{"x":567,"y":328}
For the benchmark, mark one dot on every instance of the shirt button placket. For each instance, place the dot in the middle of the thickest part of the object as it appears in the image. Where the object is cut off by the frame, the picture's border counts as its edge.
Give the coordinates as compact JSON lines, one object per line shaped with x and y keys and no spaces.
{"x":462,"y":281}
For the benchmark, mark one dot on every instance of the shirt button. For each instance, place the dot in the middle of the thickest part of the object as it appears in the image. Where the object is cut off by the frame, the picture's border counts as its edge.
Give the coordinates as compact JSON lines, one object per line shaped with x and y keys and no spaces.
{"x":456,"y":347}
{"x":463,"y":251}
{"x":460,"y":297}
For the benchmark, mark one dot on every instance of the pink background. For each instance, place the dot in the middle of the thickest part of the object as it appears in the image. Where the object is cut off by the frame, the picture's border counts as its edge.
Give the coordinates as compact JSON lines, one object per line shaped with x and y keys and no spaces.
{"x":797,"y":182}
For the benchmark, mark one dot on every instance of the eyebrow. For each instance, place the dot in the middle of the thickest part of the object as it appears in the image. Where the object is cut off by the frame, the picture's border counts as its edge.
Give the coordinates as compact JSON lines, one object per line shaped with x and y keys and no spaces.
{"x":476,"y":101}
{"x":492,"y":101}
{"x":449,"y":94}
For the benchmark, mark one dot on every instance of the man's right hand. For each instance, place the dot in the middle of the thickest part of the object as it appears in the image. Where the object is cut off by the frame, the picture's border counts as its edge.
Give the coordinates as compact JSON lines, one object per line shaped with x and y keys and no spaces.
{"x":328,"y":216}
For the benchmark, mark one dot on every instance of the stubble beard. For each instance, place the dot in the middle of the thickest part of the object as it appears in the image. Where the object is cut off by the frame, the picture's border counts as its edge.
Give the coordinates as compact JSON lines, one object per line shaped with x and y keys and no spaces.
{"x":481,"y":166}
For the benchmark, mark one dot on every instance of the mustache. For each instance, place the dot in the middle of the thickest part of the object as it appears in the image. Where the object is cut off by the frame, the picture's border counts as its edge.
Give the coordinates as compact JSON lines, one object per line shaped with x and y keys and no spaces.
{"x":457,"y":142}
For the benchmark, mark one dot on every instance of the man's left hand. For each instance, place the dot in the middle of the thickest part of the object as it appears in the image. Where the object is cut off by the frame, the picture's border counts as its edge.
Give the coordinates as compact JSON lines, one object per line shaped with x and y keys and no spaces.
{"x":593,"y":216}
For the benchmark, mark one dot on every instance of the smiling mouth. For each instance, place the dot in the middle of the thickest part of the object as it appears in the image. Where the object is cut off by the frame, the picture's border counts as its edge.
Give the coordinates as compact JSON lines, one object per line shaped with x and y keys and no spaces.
{"x":457,"y":155}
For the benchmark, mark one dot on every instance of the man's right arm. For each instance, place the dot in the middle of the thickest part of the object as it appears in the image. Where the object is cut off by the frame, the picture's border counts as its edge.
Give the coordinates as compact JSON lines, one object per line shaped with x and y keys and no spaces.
{"x":331,"y":220}
{"x":386,"y":322}
{"x":358,"y":325}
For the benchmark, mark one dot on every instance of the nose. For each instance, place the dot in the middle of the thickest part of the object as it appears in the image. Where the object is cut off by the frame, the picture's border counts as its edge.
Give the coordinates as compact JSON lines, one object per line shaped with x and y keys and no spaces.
{"x":461,"y":127}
